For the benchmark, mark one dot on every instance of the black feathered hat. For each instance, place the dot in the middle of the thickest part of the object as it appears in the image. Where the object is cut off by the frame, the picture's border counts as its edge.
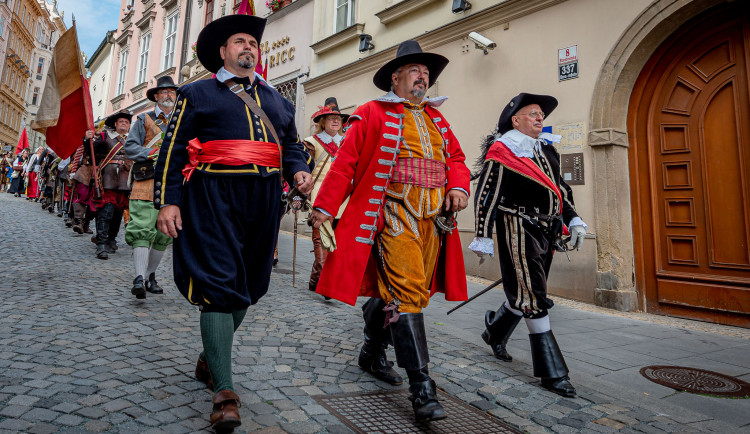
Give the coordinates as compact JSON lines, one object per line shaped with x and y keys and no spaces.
{"x":546,"y":102}
{"x":165,"y":82}
{"x":330,"y":107}
{"x":112,"y":119}
{"x":216,"y":33}
{"x":409,"y":52}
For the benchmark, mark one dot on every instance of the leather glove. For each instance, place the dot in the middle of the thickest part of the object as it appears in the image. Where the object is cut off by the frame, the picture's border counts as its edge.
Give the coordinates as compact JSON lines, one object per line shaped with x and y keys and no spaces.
{"x":577,"y":233}
{"x":327,"y":237}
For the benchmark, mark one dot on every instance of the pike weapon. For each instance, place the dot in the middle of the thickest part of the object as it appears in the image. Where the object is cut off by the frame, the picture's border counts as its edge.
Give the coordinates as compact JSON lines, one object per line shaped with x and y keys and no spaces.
{"x":294,"y":252}
{"x":499,"y":281}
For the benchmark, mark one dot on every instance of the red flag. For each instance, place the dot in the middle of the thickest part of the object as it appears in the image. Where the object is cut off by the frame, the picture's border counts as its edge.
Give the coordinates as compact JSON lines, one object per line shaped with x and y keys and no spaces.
{"x":65,"y":110}
{"x":265,"y":70}
{"x":23,"y":142}
{"x":247,"y":7}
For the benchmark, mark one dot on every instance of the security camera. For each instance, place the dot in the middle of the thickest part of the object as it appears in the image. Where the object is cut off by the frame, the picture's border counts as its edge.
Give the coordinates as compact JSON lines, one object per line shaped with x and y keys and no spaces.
{"x":365,"y":43}
{"x":482,"y":43}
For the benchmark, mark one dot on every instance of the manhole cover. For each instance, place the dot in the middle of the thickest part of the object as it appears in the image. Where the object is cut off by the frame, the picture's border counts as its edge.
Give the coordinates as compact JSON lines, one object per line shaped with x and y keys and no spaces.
{"x":391,"y":412}
{"x":696,"y":381}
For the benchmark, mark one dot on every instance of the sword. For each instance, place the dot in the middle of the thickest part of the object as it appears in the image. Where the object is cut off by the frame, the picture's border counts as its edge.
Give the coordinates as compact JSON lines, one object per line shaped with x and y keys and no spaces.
{"x":294,"y":251}
{"x":499,"y":281}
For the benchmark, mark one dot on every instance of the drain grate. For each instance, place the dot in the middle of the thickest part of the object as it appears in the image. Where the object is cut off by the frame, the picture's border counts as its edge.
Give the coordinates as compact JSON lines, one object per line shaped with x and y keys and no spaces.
{"x":391,"y":412}
{"x":697,"y":381}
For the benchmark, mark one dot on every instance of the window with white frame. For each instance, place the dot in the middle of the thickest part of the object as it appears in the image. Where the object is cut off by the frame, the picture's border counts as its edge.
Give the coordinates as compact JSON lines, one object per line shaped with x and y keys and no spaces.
{"x":2,"y":25}
{"x":170,"y":41}
{"x":143,"y":58}
{"x":121,"y":72}
{"x":344,"y":14}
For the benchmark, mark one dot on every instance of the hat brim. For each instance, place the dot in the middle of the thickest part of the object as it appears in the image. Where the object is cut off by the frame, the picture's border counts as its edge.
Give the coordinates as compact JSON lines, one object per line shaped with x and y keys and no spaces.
{"x":151,"y":93}
{"x":111,"y":120}
{"x":546,"y":102}
{"x":435,"y":63}
{"x":216,"y":33}
{"x":344,"y":117}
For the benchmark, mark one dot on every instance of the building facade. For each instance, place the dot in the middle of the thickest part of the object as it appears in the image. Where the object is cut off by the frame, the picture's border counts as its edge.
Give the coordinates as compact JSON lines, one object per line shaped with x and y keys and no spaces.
{"x":654,"y":115}
{"x":99,"y":67}
{"x":47,"y":30}
{"x":147,"y":42}
{"x":5,"y":16}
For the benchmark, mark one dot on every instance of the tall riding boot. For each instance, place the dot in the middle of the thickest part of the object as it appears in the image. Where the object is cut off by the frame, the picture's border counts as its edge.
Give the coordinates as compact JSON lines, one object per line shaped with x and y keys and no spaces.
{"x":500,"y":326}
{"x":320,"y":257}
{"x":86,"y":226}
{"x":410,"y":343}
{"x":549,"y":364}
{"x":103,"y":220}
{"x":372,"y":357}
{"x":114,"y":229}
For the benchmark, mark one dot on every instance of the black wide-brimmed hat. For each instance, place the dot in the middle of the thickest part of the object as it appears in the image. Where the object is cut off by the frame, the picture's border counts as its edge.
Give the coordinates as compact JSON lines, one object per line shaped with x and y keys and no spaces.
{"x":216,"y":33}
{"x":409,"y":52}
{"x":112,"y":119}
{"x":546,"y":102}
{"x":331,"y":107}
{"x":165,"y":82}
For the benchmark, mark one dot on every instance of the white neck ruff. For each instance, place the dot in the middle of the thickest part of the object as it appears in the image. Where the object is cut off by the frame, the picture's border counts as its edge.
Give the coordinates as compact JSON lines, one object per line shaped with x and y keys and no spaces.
{"x":523,"y":146}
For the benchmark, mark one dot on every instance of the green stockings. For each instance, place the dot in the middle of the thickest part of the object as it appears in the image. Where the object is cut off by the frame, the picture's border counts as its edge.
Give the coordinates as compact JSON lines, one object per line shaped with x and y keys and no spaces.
{"x":217,"y":333}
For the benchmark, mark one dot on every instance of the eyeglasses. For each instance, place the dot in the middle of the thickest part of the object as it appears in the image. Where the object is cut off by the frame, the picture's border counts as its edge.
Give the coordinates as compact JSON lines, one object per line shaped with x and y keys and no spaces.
{"x":535,"y":114}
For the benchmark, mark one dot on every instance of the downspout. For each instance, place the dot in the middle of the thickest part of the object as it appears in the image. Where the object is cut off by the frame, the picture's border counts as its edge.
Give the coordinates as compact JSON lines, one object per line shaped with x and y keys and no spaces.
{"x":185,"y":35}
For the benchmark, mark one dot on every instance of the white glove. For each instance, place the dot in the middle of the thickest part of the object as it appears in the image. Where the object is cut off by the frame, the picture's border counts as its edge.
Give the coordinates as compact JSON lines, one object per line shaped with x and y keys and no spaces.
{"x":577,"y":233}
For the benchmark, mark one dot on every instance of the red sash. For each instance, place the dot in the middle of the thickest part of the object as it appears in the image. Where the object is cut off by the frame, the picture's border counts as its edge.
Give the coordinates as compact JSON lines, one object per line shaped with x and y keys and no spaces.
{"x":231,"y":153}
{"x":523,"y":166}
{"x":331,"y":148}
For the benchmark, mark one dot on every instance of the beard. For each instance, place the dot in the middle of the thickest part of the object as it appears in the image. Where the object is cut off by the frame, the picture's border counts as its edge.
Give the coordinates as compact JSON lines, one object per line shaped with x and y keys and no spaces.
{"x":419,"y":92}
{"x":167,"y":102}
{"x":245,"y":60}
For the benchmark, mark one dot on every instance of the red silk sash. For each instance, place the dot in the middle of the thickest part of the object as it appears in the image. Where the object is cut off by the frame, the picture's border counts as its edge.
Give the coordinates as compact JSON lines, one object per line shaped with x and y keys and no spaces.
{"x":231,"y":153}
{"x":523,"y":166}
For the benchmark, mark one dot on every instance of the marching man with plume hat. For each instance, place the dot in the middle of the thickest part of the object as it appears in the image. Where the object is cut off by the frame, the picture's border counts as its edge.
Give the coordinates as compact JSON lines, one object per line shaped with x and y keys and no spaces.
{"x":142,"y":146}
{"x":217,"y":186}
{"x":323,"y":146}
{"x":521,"y":192}
{"x":404,"y":173}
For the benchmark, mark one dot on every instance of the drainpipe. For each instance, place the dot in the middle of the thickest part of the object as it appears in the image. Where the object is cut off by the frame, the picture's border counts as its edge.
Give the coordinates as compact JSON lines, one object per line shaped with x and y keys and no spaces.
{"x":185,"y":35}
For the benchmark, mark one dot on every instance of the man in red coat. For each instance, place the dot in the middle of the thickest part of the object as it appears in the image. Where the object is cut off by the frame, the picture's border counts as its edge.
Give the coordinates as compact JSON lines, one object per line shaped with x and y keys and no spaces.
{"x":404,"y":170}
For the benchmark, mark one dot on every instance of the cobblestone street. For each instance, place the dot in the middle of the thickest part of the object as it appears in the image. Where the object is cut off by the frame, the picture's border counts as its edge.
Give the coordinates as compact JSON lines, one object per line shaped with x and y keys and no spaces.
{"x":78,"y":352}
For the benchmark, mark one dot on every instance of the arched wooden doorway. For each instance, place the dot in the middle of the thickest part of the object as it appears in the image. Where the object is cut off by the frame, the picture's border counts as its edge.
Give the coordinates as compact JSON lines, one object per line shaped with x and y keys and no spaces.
{"x":689,"y":129}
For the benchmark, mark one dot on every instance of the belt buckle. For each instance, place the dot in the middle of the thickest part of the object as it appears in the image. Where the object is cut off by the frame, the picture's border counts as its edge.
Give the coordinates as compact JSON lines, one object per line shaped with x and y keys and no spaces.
{"x":522,"y":209}
{"x":236,"y":85}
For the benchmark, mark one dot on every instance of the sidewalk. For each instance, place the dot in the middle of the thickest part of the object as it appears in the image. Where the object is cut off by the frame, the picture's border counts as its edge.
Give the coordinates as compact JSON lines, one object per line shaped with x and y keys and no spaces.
{"x":78,"y":353}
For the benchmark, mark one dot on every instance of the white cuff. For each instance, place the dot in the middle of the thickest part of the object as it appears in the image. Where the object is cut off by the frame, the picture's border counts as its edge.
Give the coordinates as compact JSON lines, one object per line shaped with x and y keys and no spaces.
{"x":483,"y":245}
{"x":324,"y":211}
{"x":460,"y":189}
{"x":577,"y":221}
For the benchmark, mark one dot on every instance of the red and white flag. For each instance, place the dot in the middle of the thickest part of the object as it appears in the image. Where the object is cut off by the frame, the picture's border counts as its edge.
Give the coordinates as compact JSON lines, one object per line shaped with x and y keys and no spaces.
{"x":65,"y":110}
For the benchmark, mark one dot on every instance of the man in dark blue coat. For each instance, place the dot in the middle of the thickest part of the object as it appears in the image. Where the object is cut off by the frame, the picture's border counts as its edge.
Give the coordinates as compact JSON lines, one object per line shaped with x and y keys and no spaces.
{"x":217,"y":186}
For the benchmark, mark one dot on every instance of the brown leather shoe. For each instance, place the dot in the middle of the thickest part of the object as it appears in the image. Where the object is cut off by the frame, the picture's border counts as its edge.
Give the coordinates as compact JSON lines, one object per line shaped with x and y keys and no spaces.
{"x":203,"y":374}
{"x":226,"y":414}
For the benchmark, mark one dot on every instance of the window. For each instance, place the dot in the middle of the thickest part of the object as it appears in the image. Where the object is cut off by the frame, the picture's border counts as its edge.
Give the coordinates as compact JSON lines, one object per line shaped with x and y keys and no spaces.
{"x":2,"y":25}
{"x":344,"y":14}
{"x":35,"y":96}
{"x":143,"y":58}
{"x":40,"y":66}
{"x":209,"y":11}
{"x":171,"y":40}
{"x":288,"y":90}
{"x":121,"y":71}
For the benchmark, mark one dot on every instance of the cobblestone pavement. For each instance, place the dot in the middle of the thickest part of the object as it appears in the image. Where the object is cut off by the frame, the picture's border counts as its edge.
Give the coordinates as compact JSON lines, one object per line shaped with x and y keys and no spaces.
{"x":78,"y":353}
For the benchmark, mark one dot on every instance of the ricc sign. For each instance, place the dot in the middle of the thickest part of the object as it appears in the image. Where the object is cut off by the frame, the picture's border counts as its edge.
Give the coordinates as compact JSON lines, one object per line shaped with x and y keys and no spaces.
{"x":285,"y":54}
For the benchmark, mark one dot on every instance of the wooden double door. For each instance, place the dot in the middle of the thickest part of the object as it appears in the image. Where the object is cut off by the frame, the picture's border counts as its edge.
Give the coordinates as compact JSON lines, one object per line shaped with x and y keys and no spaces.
{"x":689,"y":129}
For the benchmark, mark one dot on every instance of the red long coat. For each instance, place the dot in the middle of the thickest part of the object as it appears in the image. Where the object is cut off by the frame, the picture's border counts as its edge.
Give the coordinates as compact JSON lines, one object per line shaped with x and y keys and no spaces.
{"x":362,"y":168}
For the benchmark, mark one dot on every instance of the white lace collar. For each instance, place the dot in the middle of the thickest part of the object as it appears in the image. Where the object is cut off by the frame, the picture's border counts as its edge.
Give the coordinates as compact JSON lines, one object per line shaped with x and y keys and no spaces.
{"x":327,"y":138}
{"x":112,"y":134}
{"x":522,"y":145}
{"x":432,"y":102}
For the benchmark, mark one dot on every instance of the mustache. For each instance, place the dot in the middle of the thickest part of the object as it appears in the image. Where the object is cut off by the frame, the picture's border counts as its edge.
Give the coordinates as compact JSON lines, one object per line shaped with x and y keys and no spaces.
{"x":420,"y":81}
{"x":246,"y":53}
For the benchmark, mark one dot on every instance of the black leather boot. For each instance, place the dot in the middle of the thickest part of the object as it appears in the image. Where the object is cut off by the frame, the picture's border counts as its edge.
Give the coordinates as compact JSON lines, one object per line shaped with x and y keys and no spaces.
{"x":102,"y":230}
{"x":78,"y":225}
{"x":372,"y":356}
{"x":549,"y":364}
{"x":152,"y":286}
{"x":410,"y":343}
{"x":138,"y":289}
{"x":424,"y":401}
{"x":500,"y":326}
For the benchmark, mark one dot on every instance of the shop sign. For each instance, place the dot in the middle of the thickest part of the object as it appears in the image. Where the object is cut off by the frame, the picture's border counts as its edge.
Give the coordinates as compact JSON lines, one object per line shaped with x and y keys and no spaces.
{"x":281,"y":51}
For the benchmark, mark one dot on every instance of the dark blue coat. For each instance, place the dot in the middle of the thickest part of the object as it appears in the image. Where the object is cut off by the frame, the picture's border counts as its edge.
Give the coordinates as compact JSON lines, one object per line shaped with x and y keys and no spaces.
{"x":208,"y":110}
